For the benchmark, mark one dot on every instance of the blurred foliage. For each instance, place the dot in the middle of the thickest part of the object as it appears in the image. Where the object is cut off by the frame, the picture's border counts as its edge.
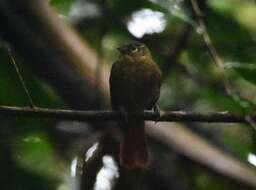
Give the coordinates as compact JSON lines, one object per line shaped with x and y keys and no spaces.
{"x":29,"y":149}
{"x":62,"y":6}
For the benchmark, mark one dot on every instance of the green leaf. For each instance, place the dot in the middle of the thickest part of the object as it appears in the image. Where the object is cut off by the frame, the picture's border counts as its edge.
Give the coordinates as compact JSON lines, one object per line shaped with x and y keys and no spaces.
{"x":35,"y":153}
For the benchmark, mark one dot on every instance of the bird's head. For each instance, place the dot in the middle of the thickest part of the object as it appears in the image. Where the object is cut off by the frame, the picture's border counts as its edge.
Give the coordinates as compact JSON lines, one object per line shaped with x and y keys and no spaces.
{"x":135,"y":51}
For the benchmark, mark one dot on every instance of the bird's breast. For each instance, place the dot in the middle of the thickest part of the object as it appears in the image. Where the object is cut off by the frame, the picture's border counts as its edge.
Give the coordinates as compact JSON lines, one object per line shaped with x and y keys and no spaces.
{"x":136,"y":85}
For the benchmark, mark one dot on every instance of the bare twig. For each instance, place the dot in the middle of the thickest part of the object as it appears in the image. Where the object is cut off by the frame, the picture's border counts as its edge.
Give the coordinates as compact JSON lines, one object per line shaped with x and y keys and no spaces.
{"x":106,"y":115}
{"x":36,"y":28}
{"x":24,"y":86}
{"x":213,"y":52}
{"x":219,"y":63}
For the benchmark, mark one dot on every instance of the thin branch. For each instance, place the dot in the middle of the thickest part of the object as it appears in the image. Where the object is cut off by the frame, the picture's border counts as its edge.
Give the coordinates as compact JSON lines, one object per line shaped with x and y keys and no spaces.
{"x":24,"y":86}
{"x":213,"y":52}
{"x":219,"y":62}
{"x":216,"y":57}
{"x":108,"y":115}
{"x":180,"y":46}
{"x":36,"y":28}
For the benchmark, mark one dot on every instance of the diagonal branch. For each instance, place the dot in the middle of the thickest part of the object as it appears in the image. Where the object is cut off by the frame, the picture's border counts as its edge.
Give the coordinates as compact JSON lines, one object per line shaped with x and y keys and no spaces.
{"x":218,"y":61}
{"x":212,"y":50}
{"x":33,"y":28}
{"x":204,"y":153}
{"x":24,"y":86}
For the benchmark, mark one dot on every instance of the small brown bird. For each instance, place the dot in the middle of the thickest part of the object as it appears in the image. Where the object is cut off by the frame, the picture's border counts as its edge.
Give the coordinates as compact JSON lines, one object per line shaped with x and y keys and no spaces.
{"x":135,"y":82}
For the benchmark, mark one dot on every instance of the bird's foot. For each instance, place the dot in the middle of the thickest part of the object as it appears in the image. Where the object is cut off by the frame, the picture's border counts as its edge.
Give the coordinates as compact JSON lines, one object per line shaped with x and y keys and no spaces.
{"x":158,"y":112}
{"x":124,"y":114}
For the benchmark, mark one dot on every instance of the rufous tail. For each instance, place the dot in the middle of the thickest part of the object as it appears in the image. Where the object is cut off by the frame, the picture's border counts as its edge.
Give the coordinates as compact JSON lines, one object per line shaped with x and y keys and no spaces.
{"x":133,"y":149}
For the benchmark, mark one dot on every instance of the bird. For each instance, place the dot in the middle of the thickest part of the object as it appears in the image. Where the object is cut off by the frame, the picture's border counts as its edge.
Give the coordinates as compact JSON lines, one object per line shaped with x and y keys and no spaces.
{"x":135,"y":81}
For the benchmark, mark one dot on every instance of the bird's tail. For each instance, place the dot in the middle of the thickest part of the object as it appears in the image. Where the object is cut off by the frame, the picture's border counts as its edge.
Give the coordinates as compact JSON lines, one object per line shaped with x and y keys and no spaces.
{"x":133,"y":149}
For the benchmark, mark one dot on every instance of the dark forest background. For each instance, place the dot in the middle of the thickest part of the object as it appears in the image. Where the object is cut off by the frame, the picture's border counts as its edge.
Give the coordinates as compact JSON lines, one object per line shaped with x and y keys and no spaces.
{"x":64,"y":50}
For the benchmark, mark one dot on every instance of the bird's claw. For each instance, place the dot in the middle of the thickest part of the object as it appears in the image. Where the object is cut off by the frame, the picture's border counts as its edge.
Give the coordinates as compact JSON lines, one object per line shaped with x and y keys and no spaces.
{"x":157,"y":112}
{"x":124,"y":114}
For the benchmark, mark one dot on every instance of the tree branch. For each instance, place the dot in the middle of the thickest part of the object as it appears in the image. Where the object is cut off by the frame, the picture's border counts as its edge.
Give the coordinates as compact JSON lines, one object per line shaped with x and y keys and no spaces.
{"x":204,"y":153}
{"x":107,"y":115}
{"x":34,"y":30}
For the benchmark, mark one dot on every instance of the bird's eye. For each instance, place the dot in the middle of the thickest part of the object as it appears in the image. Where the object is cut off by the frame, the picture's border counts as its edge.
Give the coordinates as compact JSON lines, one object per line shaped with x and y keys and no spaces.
{"x":134,"y":49}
